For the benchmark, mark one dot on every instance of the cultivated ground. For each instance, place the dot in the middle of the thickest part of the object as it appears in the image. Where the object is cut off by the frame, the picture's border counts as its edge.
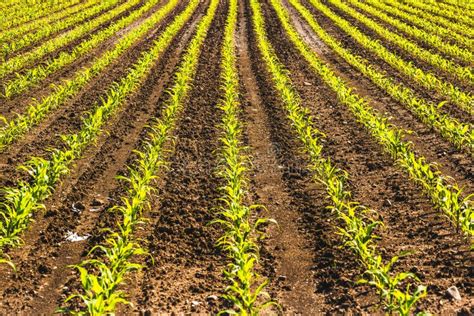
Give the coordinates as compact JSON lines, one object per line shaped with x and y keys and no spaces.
{"x":308,"y":268}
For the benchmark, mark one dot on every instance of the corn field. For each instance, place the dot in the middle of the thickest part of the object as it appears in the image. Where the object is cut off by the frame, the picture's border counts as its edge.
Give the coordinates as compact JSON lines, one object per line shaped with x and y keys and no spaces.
{"x":247,"y":157}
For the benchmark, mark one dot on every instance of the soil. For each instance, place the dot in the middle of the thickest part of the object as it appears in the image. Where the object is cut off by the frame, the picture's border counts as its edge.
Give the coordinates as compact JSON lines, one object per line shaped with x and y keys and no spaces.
{"x":309,"y":270}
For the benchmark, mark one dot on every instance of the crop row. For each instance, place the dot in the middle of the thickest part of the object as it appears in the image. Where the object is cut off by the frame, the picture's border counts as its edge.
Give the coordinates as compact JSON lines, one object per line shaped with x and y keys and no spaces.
{"x":20,"y":61}
{"x":10,"y":47}
{"x":239,"y":241}
{"x":460,"y":134}
{"x":464,"y":19}
{"x":23,"y":81}
{"x":433,"y":59}
{"x":102,"y":277}
{"x":434,"y":40}
{"x":38,"y":110}
{"x":16,"y":32}
{"x":357,"y":228}
{"x":446,"y":23}
{"x":28,"y":12}
{"x":446,"y":196}
{"x":457,"y":4}
{"x":19,"y":203}
{"x":427,"y":80}
{"x":432,"y":28}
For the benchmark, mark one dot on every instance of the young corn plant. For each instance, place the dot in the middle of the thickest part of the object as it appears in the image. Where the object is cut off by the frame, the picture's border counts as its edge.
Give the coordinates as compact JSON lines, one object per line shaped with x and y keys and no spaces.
{"x":21,"y":202}
{"x":9,"y":47}
{"x":446,"y":196}
{"x":21,"y":61}
{"x":240,"y":238}
{"x":15,"y":32}
{"x":357,"y":229}
{"x":443,"y":26}
{"x":102,"y":280}
{"x":437,"y":61}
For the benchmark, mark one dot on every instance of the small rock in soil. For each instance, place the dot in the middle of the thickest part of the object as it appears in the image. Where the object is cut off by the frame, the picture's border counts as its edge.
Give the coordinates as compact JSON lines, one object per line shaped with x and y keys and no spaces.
{"x":78,"y":207}
{"x":97,"y":202}
{"x":453,"y":292}
{"x":212,"y":298}
{"x":281,"y":277}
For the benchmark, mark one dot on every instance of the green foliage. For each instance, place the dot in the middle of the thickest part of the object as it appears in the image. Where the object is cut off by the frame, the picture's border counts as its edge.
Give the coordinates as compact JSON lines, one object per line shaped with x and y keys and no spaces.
{"x":239,"y":241}
{"x":446,"y":196}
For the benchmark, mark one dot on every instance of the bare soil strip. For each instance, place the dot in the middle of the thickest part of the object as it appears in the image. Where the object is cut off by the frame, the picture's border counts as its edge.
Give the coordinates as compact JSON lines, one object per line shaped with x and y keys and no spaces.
{"x":289,"y":277}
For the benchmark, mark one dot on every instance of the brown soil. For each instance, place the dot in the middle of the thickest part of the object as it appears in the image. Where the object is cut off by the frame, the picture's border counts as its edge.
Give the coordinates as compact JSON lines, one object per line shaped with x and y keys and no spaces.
{"x":309,"y":272}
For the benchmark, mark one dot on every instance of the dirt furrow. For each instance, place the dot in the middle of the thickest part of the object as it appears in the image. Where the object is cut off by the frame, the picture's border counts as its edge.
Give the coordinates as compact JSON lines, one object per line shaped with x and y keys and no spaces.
{"x":291,"y":283}
{"x":441,"y":257}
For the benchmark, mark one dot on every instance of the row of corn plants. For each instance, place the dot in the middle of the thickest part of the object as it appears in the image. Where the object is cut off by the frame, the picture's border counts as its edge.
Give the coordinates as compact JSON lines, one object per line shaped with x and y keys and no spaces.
{"x":28,"y":12}
{"x":12,"y":33}
{"x":444,"y":193}
{"x":429,"y":26}
{"x":39,"y":109}
{"x":102,"y":277}
{"x":241,"y":233}
{"x":422,"y":23}
{"x":458,"y":8}
{"x":458,"y":133}
{"x":463,"y":100}
{"x":464,"y":19}
{"x":23,"y":81}
{"x":433,"y":40}
{"x":458,"y":4}
{"x":357,"y":227}
{"x":9,"y":47}
{"x":446,"y":23}
{"x":22,"y":60}
{"x":20,"y":202}
{"x":437,"y":61}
